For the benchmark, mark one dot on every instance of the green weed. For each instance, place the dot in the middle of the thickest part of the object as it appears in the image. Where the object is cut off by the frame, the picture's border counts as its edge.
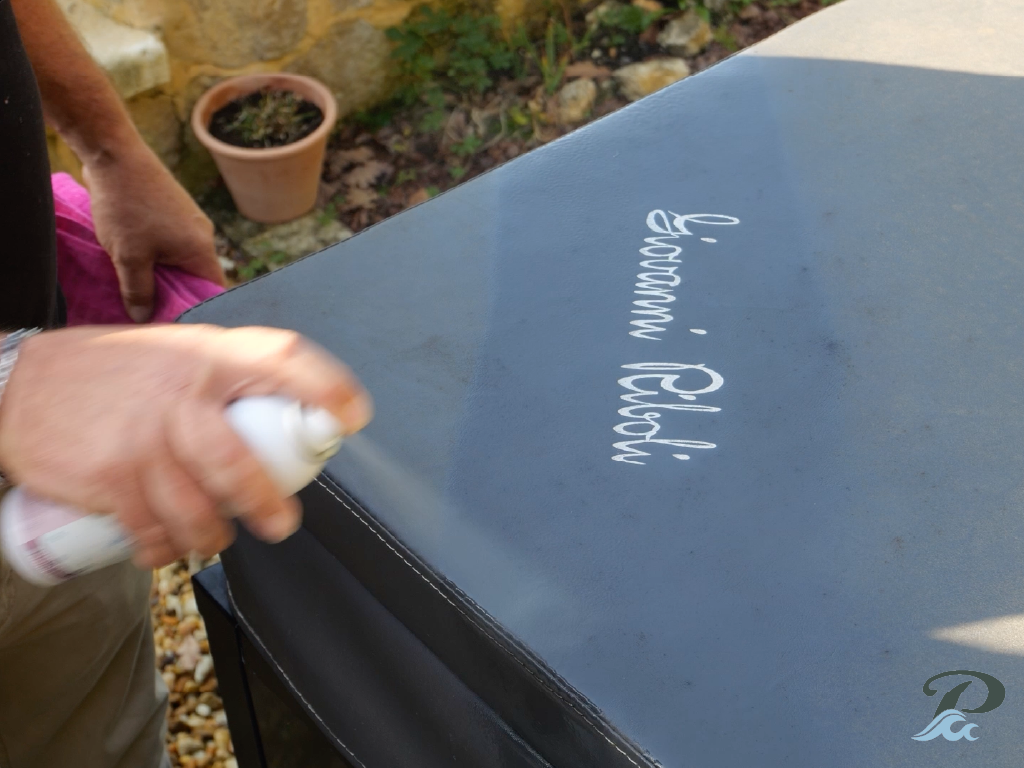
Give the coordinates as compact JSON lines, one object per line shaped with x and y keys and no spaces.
{"x":559,"y":47}
{"x":630,"y":19}
{"x":723,"y":36}
{"x":459,"y":51}
{"x":468,"y":146}
{"x":439,"y":51}
{"x":261,"y":265}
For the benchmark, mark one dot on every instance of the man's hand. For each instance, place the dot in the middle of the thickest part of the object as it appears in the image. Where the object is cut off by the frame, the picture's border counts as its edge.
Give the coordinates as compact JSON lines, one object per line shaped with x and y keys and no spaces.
{"x":143,"y":218}
{"x":130,"y":421}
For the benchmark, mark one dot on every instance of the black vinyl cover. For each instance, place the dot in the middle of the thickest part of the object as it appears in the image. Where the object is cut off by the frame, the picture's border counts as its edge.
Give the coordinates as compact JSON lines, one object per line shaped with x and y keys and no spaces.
{"x":699,"y":433}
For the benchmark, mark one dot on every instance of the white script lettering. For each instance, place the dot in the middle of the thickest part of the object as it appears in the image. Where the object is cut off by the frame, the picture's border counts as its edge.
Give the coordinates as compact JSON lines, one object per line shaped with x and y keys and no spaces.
{"x":656,"y":283}
{"x":658,"y":278}
{"x":644,"y":417}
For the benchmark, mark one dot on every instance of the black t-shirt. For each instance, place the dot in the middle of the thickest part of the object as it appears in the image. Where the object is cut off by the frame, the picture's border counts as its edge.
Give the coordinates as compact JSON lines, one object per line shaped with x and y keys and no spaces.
{"x":28,"y":289}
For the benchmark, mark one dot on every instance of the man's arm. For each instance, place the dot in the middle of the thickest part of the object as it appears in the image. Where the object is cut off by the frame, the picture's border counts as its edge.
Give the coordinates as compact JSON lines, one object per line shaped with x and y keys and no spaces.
{"x":142,"y":215}
{"x":78,"y":100}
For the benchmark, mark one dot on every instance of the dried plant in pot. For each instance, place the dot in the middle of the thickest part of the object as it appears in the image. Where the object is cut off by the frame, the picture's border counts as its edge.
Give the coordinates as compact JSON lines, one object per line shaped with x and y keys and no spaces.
{"x":267,"y":133}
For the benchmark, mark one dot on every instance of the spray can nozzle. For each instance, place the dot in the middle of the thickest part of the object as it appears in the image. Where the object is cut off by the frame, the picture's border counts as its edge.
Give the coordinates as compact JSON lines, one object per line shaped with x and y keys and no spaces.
{"x":317,"y":431}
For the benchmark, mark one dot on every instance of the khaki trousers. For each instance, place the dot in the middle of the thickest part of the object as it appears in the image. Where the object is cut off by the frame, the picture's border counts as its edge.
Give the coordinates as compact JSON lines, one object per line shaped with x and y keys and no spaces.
{"x":78,"y":681}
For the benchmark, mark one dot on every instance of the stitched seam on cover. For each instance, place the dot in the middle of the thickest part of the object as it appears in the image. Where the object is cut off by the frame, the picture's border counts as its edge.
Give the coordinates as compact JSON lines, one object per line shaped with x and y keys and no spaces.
{"x":454,"y":605}
{"x":288,"y":680}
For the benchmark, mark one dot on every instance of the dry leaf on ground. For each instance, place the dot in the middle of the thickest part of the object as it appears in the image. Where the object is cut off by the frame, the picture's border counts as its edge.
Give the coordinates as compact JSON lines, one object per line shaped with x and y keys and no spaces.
{"x":419,"y":196}
{"x":359,"y":198}
{"x":368,"y":174}
{"x":342,"y":159}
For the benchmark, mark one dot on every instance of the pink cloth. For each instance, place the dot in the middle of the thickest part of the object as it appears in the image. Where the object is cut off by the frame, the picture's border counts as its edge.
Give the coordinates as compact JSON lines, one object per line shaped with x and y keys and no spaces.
{"x":87,"y":276}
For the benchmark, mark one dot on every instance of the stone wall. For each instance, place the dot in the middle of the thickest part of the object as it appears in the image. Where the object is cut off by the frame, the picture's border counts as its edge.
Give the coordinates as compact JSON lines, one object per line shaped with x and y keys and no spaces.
{"x":162,"y":55}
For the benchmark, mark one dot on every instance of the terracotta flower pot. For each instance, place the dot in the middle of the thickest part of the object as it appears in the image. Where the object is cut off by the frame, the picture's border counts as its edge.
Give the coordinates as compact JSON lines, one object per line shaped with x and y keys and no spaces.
{"x":277,"y":183}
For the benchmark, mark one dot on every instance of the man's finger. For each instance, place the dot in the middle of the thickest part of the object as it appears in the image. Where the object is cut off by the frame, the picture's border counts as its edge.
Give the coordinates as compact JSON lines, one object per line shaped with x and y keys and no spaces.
{"x":153,"y":547}
{"x":158,"y":553}
{"x":135,"y":277}
{"x":186,"y":512}
{"x":223,"y":466}
{"x":198,"y":256}
{"x":206,"y":268}
{"x":133,"y":513}
{"x":257,"y":361}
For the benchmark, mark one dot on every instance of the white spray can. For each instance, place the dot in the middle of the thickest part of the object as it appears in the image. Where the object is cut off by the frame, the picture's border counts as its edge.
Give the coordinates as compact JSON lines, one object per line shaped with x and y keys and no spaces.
{"x":47,"y":543}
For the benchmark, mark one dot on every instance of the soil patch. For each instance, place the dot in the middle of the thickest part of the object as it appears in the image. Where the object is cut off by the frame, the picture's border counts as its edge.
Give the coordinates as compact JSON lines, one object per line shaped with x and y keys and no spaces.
{"x":266,"y":118}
